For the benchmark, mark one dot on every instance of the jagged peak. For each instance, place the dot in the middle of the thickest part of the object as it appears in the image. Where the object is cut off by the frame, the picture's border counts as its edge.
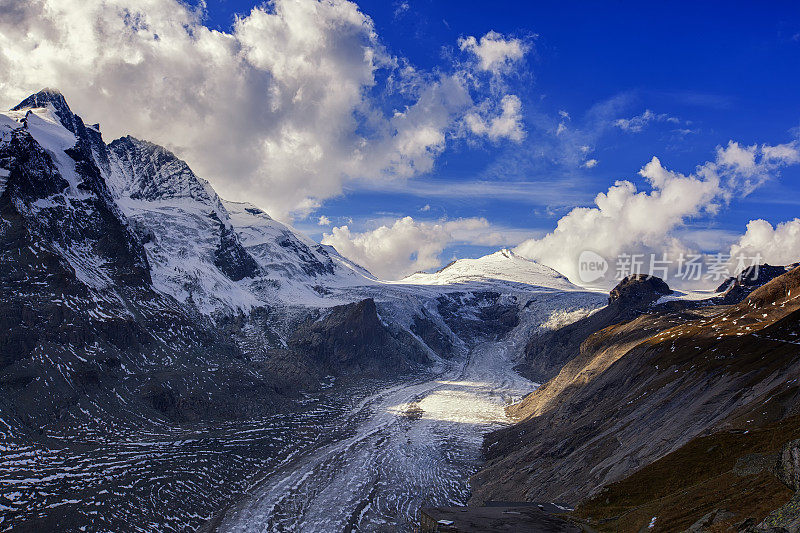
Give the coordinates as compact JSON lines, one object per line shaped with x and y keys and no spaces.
{"x":148,"y":171}
{"x":141,"y":144}
{"x":42,"y":98}
{"x":152,"y":149}
{"x":132,"y":145}
{"x":54,"y":98}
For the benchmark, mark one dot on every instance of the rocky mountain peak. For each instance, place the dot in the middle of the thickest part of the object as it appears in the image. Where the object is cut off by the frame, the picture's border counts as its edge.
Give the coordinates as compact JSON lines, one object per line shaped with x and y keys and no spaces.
{"x":150,"y":172}
{"x":59,"y":104}
{"x":735,"y":289}
{"x":639,"y":290}
{"x":754,"y":276}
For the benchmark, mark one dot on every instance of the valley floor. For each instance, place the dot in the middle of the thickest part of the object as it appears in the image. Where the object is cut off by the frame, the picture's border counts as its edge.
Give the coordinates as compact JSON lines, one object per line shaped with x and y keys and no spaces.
{"x":414,"y":444}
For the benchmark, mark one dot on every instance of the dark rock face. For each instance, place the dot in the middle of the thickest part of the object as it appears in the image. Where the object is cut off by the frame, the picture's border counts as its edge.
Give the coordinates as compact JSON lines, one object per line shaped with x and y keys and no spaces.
{"x":639,"y":290}
{"x":32,"y":172}
{"x":754,"y":276}
{"x":430,"y":333}
{"x":735,"y":289}
{"x":352,"y":339}
{"x":788,"y":469}
{"x":231,"y":257}
{"x":546,"y":353}
{"x":494,"y":315}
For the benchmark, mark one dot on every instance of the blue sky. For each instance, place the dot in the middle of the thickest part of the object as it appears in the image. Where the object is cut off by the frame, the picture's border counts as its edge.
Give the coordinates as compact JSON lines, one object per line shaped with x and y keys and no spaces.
{"x":438,"y":129}
{"x":724,"y":70}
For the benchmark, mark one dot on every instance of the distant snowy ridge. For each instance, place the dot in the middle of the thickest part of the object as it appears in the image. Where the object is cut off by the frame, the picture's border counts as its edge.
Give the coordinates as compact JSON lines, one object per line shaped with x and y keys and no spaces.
{"x":503,"y":265}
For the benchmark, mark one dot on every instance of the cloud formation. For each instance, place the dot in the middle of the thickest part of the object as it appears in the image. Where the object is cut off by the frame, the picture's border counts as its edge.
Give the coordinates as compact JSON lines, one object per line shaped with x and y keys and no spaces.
{"x":494,"y":52}
{"x":282,"y":110}
{"x":407,"y":245}
{"x":506,"y":125}
{"x":625,"y":220}
{"x":639,"y":122}
{"x":779,"y":245}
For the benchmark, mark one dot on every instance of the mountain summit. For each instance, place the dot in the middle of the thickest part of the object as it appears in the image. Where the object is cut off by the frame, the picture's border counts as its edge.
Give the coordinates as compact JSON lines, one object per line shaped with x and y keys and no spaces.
{"x":503,"y":265}
{"x":54,"y":98}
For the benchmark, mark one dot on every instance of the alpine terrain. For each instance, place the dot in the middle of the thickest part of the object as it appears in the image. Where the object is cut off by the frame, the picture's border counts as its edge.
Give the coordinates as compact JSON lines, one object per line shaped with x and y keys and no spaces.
{"x":171,"y":361}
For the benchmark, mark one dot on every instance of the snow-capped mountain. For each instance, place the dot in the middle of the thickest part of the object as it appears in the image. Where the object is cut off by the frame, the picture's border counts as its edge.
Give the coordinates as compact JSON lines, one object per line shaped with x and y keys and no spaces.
{"x":191,"y":244}
{"x":48,"y":156}
{"x":503,"y":265}
{"x":222,"y":257}
{"x":292,"y":267}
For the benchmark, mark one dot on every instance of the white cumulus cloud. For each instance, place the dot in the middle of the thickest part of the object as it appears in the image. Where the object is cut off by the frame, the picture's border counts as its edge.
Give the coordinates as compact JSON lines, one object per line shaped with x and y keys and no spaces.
{"x":625,"y":220}
{"x":506,"y":125}
{"x":494,"y":52}
{"x":779,"y":245}
{"x":407,"y":245}
{"x":281,"y":110}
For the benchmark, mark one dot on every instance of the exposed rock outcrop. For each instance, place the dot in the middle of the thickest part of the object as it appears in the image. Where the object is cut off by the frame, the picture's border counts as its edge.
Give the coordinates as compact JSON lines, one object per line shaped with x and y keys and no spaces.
{"x":735,"y":289}
{"x":352,"y":338}
{"x":638,"y":290}
{"x":788,"y":467}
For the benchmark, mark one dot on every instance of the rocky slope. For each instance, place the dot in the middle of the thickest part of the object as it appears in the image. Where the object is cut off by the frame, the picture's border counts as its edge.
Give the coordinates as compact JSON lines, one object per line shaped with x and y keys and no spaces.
{"x":547,"y":352}
{"x":644,"y":391}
